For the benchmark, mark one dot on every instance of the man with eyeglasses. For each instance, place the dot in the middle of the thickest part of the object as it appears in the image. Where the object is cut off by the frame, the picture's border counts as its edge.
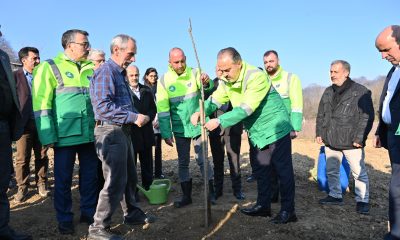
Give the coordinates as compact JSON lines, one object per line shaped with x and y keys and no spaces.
{"x":98,"y":57}
{"x":29,"y":56}
{"x":65,"y":120}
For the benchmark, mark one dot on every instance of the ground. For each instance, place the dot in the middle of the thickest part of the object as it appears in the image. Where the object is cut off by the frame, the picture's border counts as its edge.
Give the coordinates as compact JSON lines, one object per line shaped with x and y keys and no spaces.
{"x":36,"y":216}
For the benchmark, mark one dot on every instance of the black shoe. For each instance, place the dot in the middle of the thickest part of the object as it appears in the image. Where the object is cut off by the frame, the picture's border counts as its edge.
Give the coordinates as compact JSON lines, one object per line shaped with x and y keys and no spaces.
{"x":389,"y":236}
{"x":211,"y":192}
{"x":251,"y":179}
{"x":66,"y":228}
{"x":257,"y":210}
{"x":284,"y":217}
{"x":239,"y":195}
{"x":329,"y":200}
{"x":140,"y":220}
{"x":186,"y":198}
{"x":161,"y":176}
{"x":86,"y":219}
{"x":362,"y":208}
{"x":12,"y":235}
{"x":218,"y":194}
{"x":102,"y":234}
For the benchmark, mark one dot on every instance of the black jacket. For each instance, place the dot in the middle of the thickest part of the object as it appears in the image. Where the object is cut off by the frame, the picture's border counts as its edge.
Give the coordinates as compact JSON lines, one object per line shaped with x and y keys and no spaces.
{"x":349,"y":121}
{"x":394,"y":107}
{"x":142,"y":137}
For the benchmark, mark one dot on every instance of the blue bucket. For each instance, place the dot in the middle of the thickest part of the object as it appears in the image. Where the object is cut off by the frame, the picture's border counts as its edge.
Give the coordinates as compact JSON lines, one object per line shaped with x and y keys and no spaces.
{"x":321,"y":172}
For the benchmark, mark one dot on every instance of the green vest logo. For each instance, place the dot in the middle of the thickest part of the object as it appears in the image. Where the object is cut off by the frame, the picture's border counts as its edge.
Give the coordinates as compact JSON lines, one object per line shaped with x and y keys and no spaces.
{"x":69,"y":74}
{"x":172,"y":88}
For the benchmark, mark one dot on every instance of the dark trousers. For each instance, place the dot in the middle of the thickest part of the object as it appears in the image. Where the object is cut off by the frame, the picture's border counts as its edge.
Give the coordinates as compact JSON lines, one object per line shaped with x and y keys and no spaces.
{"x":114,"y":149}
{"x":394,"y":187}
{"x":64,"y":160}
{"x":157,"y":156}
{"x":29,"y":141}
{"x":232,"y":144}
{"x":5,"y":169}
{"x":146,"y":165}
{"x":278,"y":155}
{"x":252,"y":155}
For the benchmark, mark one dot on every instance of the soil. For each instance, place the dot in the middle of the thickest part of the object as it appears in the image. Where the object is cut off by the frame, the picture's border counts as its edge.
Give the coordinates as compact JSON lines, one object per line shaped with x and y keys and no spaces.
{"x":36,"y":216}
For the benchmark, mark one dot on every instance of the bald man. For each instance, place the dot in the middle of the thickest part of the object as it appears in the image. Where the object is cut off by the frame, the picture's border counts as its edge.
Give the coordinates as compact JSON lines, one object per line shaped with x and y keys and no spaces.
{"x":143,"y":102}
{"x":178,"y":94}
{"x":388,"y":132}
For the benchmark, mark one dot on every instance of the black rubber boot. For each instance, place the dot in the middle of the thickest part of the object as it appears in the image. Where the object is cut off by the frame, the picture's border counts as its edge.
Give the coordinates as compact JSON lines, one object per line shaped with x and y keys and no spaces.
{"x":211,"y":192}
{"x":186,"y":198}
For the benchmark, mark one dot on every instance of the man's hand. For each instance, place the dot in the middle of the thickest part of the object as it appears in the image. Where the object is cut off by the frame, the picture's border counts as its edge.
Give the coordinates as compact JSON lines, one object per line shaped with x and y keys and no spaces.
{"x":155,"y":124}
{"x":204,"y":78}
{"x":141,"y":120}
{"x":319,"y":140}
{"x":377,"y":142}
{"x":194,"y":119}
{"x":212,"y":124}
{"x":293,"y":134}
{"x":169,"y":141}
{"x":357,"y":145}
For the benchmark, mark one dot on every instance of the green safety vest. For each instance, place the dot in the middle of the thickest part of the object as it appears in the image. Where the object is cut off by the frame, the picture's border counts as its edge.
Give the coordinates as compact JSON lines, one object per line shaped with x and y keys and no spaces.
{"x":177,"y":99}
{"x":255,"y":103}
{"x":288,"y":86}
{"x":61,"y":102}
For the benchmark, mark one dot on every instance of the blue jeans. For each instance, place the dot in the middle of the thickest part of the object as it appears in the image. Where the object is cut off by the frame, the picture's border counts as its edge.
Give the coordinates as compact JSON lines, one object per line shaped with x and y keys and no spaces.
{"x":64,"y":160}
{"x":183,"y":149}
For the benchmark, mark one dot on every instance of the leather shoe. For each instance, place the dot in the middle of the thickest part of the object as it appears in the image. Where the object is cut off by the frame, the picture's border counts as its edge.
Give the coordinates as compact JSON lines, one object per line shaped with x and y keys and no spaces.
{"x":102,"y":234}
{"x":284,"y":217}
{"x":257,"y":210}
{"x":65,"y":228}
{"x":12,"y":235}
{"x":239,"y":195}
{"x":389,"y":236}
{"x":86,"y":219}
{"x":251,"y":179}
{"x":140,"y":221}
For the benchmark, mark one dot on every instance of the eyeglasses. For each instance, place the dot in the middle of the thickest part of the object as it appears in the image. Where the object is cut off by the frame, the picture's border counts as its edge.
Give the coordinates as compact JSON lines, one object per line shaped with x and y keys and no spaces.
{"x":83,"y":44}
{"x":154,"y":76}
{"x":99,"y":60}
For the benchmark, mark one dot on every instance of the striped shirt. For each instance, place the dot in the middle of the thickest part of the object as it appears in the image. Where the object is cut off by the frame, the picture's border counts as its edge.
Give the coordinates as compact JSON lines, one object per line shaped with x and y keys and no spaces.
{"x":110,"y":95}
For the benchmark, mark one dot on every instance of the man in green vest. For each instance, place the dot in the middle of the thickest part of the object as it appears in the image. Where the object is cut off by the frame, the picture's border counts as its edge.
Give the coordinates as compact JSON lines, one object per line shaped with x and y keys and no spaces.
{"x":288,"y":85}
{"x":178,"y":94}
{"x":266,"y":119}
{"x":65,"y":120}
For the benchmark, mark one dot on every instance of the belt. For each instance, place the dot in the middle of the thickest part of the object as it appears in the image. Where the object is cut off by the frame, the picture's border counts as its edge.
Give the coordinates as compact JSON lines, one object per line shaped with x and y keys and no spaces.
{"x":103,"y":123}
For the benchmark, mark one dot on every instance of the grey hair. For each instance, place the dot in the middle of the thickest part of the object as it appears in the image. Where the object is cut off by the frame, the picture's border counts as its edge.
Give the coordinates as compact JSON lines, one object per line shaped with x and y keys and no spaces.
{"x":235,"y":55}
{"x":69,"y":36}
{"x":94,"y":51}
{"x":345,"y":64}
{"x":396,"y":33}
{"x":121,"y":40}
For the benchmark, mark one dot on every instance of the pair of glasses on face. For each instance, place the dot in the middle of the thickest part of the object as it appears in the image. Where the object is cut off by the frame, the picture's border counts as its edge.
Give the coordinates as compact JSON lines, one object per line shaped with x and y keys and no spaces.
{"x":83,"y":44}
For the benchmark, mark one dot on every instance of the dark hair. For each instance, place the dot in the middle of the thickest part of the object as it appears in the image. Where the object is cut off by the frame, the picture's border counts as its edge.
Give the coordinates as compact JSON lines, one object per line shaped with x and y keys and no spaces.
{"x":24,"y":52}
{"x":396,"y":33}
{"x":148,"y":71}
{"x":271,"y":52}
{"x":232,"y":52}
{"x":69,"y":36}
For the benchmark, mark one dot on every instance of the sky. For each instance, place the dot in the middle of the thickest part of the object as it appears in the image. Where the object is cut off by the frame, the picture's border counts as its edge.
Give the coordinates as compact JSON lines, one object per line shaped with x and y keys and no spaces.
{"x":308,"y":35}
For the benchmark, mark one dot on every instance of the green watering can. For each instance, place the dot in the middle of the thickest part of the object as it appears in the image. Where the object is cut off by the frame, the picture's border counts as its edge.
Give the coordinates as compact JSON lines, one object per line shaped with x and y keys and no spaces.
{"x":158,"y":191}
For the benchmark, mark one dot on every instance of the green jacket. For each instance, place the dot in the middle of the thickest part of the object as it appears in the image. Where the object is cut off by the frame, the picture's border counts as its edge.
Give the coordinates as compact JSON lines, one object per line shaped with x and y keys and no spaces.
{"x":177,"y":99}
{"x":63,"y":111}
{"x":288,"y":86}
{"x":255,"y":103}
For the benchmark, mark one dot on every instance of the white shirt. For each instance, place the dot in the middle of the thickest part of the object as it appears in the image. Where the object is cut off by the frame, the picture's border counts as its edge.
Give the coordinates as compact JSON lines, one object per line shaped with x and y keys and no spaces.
{"x":136,"y":91}
{"x":394,"y":80}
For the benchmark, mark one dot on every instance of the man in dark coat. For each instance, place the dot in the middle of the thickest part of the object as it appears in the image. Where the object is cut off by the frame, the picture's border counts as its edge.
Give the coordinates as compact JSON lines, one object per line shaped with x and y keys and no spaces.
{"x":142,"y":139}
{"x":388,"y":132}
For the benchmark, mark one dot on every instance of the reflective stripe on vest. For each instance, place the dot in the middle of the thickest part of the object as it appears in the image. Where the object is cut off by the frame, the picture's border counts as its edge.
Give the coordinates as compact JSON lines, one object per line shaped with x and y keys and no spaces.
{"x":60,"y":87}
{"x":42,"y":113}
